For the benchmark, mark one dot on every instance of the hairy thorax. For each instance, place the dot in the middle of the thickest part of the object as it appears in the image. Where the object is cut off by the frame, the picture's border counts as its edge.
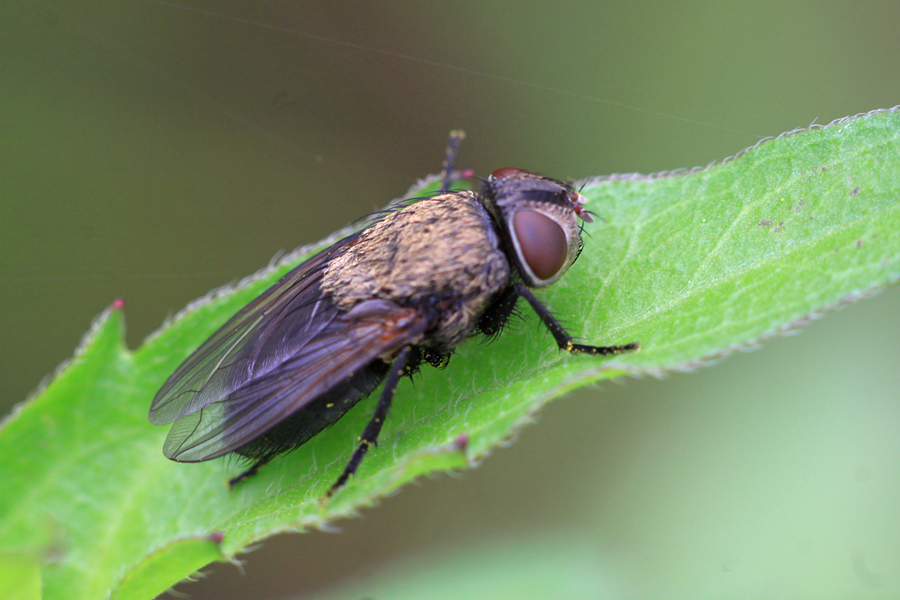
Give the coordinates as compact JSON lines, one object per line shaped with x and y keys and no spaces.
{"x":440,"y":255}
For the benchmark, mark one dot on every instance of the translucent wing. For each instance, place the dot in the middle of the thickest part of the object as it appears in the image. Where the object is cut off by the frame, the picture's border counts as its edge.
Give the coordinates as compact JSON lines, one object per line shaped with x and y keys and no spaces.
{"x":262,"y":336}
{"x":374,"y":329}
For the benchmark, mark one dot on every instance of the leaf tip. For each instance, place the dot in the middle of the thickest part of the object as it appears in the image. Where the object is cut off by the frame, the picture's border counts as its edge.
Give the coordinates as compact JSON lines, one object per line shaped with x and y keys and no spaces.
{"x":111,"y":322}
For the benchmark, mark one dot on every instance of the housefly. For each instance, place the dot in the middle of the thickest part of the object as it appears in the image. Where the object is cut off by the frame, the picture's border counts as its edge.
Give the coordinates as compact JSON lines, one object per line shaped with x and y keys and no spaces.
{"x":373,"y":307}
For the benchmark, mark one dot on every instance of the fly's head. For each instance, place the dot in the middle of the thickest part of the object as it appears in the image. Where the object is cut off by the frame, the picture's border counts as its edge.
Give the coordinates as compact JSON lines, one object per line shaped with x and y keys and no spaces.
{"x":540,"y":218}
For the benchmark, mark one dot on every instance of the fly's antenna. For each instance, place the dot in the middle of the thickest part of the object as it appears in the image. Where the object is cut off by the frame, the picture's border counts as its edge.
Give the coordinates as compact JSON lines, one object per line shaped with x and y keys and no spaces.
{"x":456,"y":137}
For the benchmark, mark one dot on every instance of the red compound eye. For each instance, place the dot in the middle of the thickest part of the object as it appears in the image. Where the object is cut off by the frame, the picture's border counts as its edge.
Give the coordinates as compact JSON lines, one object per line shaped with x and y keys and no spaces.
{"x":542,"y":243}
{"x":508,"y":172}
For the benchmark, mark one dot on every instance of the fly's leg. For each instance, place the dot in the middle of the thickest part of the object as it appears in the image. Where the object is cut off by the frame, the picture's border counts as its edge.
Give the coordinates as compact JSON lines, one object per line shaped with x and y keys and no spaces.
{"x":253,"y":470}
{"x":563,"y":339}
{"x":370,"y":434}
{"x":456,"y":137}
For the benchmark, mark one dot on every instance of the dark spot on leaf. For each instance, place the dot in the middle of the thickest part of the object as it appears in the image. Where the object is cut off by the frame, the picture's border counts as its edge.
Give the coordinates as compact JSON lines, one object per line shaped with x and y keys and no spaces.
{"x":855,"y":191}
{"x":859,"y":243}
{"x":765,"y":223}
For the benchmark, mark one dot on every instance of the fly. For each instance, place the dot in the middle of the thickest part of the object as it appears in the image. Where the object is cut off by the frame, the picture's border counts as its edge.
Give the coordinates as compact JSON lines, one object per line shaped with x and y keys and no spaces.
{"x":373,"y":308}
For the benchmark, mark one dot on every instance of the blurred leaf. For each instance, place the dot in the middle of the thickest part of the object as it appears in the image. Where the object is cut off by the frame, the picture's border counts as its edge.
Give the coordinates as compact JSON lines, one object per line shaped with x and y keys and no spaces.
{"x":20,"y":577}
{"x":692,"y":265}
{"x":560,"y":567}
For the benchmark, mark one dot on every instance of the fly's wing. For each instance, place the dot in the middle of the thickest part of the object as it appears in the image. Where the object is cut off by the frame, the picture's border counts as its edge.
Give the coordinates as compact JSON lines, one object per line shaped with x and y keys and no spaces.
{"x":255,"y":341}
{"x":374,"y":329}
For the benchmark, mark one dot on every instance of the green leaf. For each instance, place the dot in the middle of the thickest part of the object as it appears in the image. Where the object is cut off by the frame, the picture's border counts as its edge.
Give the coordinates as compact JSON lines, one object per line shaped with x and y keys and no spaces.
{"x":20,"y":577}
{"x":692,"y":265}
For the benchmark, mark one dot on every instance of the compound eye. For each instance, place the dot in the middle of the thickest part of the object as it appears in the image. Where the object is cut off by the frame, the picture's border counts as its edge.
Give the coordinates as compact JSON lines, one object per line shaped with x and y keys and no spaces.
{"x":508,"y":172}
{"x":542,"y":243}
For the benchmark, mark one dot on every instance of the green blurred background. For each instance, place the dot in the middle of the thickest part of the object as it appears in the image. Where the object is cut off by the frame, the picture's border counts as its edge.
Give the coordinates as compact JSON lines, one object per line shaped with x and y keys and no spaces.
{"x":152,"y":153}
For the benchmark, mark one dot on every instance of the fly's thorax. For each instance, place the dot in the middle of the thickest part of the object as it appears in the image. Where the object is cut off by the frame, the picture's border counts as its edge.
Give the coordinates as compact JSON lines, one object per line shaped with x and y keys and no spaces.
{"x":540,"y":217}
{"x":441,"y":255}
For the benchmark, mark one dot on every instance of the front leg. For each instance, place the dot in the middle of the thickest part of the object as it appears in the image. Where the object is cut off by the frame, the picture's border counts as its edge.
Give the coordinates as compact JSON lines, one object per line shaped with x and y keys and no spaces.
{"x":563,"y":339}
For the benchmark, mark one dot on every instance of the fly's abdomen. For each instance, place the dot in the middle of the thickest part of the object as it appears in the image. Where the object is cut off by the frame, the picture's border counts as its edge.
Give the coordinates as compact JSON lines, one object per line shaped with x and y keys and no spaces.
{"x":319,"y":414}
